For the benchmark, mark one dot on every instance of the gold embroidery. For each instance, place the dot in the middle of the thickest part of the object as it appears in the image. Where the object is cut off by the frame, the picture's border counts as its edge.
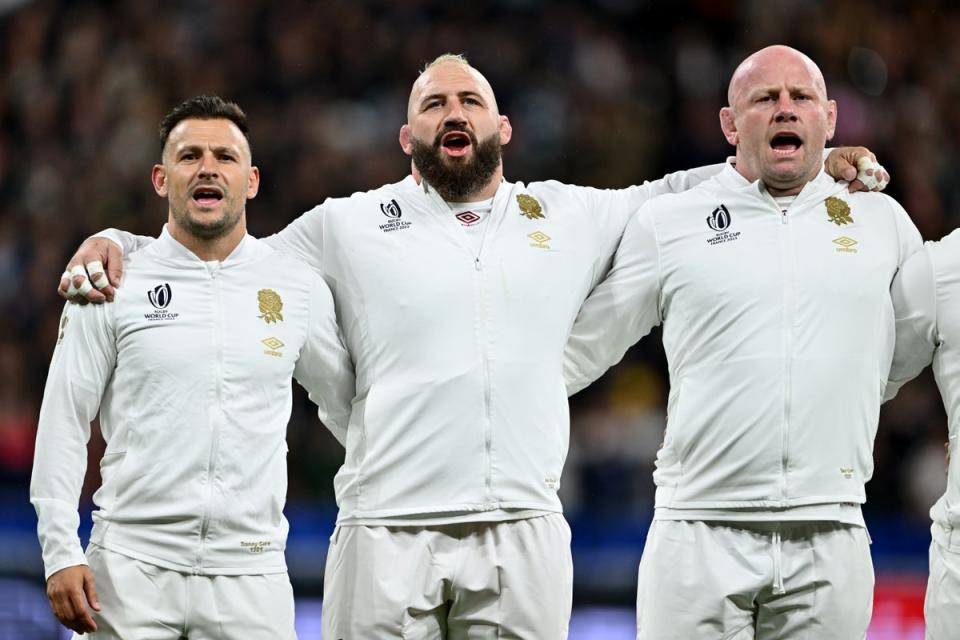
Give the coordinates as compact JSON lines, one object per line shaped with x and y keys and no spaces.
{"x":270,"y":305}
{"x":838,"y":211}
{"x":529,"y":206}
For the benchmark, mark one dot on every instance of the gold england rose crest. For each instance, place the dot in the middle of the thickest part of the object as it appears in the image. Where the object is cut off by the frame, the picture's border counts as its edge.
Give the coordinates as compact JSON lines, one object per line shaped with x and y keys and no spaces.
{"x":529,"y":206}
{"x":270,"y":305}
{"x":838,"y":211}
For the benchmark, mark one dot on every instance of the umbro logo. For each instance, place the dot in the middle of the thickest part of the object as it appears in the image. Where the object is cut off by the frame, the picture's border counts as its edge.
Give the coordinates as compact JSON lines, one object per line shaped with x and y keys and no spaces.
{"x":467,"y":218}
{"x":846,"y":245}
{"x":540,"y":240}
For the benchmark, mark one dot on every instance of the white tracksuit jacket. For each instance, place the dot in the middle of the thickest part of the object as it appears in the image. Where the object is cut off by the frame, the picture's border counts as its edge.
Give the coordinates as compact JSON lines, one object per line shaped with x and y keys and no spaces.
{"x":926,"y":298}
{"x":778,"y":330}
{"x":190,"y":370}
{"x":461,"y":410}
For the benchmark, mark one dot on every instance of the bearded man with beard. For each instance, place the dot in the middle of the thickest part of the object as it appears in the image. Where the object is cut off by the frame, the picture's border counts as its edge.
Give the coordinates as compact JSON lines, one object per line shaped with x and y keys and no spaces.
{"x":455,"y":292}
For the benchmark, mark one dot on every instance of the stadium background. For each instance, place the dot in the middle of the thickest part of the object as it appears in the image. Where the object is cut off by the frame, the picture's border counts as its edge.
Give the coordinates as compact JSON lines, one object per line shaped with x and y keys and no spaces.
{"x":605,"y":94}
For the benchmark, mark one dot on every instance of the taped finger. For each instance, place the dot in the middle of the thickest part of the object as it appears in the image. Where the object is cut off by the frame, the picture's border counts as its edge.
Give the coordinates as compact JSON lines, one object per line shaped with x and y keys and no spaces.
{"x":871,"y":174}
{"x":85,"y":287}
{"x":97,"y":275}
{"x":78,"y":270}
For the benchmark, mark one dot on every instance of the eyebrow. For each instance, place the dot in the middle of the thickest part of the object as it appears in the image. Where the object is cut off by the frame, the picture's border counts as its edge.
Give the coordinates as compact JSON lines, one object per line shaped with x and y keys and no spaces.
{"x":812,"y":88}
{"x":460,"y":94}
{"x":199,"y":147}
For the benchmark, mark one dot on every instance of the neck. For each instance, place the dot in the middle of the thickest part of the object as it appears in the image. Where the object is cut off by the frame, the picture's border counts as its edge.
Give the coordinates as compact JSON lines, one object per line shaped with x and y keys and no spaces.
{"x":209,"y":249}
{"x":789,"y":187}
{"x":484,"y":193}
{"x":489,"y":190}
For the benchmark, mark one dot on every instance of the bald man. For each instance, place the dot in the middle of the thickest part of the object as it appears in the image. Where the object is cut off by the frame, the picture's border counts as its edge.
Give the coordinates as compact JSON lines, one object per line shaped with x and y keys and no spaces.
{"x":772,"y":285}
{"x":455,"y":290}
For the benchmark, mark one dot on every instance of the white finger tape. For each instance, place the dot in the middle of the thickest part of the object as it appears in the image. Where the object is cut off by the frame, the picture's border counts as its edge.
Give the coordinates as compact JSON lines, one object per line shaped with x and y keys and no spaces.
{"x":71,"y":290}
{"x":99,"y":278}
{"x":66,"y":275}
{"x":872,"y":182}
{"x":78,"y":271}
{"x":85,"y":288}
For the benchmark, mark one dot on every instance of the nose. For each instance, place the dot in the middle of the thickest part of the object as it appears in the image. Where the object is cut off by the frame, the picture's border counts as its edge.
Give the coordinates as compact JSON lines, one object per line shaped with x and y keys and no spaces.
{"x":785,"y":110}
{"x":454,"y":115}
{"x":209,"y":167}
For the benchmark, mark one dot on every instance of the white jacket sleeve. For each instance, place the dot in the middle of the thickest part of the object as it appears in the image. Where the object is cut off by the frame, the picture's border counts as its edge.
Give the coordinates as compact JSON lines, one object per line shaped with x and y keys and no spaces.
{"x":302,"y":238}
{"x":620,"y":310}
{"x":324,"y":368}
{"x":127,"y":242}
{"x":82,"y":364}
{"x":915,"y":308}
{"x":632,"y":198}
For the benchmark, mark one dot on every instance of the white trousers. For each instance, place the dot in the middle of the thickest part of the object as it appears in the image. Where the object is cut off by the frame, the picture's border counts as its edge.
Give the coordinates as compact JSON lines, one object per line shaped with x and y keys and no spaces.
{"x":141,"y":601}
{"x":746,"y":581}
{"x":471,"y":581}
{"x":941,"y":607}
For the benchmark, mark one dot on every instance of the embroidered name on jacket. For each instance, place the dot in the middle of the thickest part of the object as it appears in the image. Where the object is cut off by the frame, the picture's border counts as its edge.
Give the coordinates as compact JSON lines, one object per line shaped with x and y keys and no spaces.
{"x":160,"y":297}
{"x":394,"y":215}
{"x":720,"y":220}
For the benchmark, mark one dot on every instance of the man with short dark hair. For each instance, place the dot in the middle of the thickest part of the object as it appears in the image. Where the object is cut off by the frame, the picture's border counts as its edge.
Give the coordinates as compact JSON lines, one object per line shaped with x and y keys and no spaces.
{"x":190,"y":370}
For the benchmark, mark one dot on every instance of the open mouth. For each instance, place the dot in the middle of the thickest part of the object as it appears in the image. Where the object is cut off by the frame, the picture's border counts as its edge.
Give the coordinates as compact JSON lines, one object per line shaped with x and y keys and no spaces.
{"x":207,"y":196}
{"x":455,"y":143}
{"x":786,"y":143}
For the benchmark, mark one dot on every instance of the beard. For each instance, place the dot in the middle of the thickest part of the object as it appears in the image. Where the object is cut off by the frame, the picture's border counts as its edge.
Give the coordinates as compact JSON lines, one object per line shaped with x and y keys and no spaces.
{"x":457,"y":179}
{"x":207,"y":230}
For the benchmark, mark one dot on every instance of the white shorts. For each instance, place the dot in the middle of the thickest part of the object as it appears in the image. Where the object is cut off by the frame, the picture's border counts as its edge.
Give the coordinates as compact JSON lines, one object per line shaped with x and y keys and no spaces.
{"x":146,"y":602}
{"x":476,"y":581}
{"x":754,"y":580}
{"x":941,"y":608}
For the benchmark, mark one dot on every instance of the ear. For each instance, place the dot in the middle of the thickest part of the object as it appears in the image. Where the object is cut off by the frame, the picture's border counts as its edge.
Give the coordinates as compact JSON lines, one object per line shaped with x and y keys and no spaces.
{"x":728,"y":123}
{"x":406,"y":139}
{"x":831,"y":118}
{"x":253,"y":183}
{"x":506,"y":130}
{"x":158,"y":176}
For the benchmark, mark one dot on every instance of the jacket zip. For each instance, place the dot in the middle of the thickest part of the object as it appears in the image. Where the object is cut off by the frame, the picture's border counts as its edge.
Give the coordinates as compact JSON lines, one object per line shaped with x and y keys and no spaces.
{"x":215,"y":414}
{"x":788,"y":314}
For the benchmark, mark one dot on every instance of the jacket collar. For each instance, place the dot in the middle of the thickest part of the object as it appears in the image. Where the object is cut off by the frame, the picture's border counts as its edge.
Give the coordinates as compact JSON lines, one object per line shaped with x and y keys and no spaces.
{"x":427,"y":198}
{"x":821,"y":187}
{"x":167,"y":247}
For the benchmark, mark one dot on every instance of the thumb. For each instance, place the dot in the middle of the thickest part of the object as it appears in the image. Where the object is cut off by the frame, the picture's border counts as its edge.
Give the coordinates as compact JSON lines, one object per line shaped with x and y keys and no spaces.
{"x":849,"y":173}
{"x":114,"y":264}
{"x":90,"y":589}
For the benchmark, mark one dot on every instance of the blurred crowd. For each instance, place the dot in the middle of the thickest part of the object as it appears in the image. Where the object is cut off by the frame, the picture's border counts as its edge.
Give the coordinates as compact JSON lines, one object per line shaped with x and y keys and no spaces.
{"x":605,"y":93}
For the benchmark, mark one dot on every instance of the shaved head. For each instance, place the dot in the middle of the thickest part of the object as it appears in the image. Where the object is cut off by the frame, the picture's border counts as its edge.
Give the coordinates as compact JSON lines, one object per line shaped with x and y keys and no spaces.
{"x":779,"y":118}
{"x":775,"y":55}
{"x":446,"y":64}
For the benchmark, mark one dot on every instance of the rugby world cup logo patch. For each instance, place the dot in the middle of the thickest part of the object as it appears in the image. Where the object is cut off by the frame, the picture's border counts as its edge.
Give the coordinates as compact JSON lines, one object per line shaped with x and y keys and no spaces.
{"x":391,"y":209}
{"x":160,"y":297}
{"x":719,"y":220}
